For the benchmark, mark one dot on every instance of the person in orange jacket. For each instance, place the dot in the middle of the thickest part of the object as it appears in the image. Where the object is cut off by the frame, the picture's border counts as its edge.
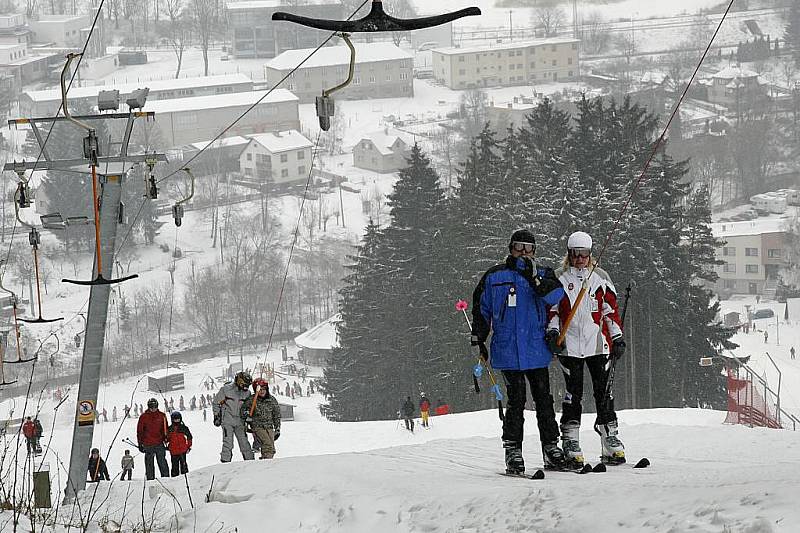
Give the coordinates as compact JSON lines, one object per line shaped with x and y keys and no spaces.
{"x":179,"y":443}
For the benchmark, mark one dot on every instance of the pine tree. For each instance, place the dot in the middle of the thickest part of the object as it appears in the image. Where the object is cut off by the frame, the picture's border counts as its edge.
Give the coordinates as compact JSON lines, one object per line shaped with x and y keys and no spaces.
{"x":792,"y":35}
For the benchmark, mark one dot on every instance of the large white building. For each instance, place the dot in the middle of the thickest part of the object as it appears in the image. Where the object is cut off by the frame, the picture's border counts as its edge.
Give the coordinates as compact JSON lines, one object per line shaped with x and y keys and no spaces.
{"x":514,"y":63}
{"x":184,"y":121}
{"x":59,"y":30}
{"x":382,"y":70}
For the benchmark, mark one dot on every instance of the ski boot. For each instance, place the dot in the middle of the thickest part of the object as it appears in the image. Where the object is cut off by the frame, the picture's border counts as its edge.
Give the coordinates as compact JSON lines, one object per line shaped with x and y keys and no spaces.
{"x":515,"y":465}
{"x":570,"y":443}
{"x":553,"y":456}
{"x":613,"y":452}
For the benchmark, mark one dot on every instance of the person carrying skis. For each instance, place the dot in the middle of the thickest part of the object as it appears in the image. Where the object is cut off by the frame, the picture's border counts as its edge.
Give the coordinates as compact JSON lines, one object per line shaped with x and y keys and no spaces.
{"x":593,"y":337}
{"x":127,"y":466}
{"x":179,"y":443}
{"x":424,"y":409}
{"x":227,"y":406}
{"x":97,"y":467}
{"x":511,"y":301}
{"x":151,"y":433}
{"x":265,"y":420}
{"x":408,"y":413}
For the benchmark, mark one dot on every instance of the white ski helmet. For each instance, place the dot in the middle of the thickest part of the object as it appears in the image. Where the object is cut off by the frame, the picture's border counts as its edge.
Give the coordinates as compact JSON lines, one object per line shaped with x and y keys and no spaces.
{"x":579,"y":239}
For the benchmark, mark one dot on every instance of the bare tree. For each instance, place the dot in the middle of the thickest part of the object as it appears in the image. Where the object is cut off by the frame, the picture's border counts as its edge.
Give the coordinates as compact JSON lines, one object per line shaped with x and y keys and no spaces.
{"x":595,"y":38}
{"x":205,"y":16}
{"x":178,"y":31}
{"x":550,"y":18}
{"x":400,"y":9}
{"x":788,"y":69}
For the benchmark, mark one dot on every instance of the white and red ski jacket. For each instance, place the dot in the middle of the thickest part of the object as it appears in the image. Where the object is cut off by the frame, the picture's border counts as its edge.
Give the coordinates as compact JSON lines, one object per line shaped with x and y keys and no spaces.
{"x":596,"y":321}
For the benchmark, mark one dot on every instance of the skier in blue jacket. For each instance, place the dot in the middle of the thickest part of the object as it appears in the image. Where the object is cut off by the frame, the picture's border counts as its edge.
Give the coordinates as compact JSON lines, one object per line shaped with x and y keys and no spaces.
{"x":511,"y":301}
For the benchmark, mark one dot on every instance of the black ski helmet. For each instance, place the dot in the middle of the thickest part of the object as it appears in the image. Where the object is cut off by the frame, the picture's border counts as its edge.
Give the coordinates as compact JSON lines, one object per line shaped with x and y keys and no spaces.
{"x":176,"y":415}
{"x":95,"y":450}
{"x":152,"y":402}
{"x":522,"y":235}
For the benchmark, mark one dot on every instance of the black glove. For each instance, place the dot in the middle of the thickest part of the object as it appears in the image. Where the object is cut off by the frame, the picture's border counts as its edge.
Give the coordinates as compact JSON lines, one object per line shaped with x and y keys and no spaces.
{"x":528,"y":271}
{"x":141,"y":448}
{"x":483,"y":351}
{"x":551,"y":338}
{"x":617,"y":348}
{"x":218,"y":420}
{"x":277,"y":434}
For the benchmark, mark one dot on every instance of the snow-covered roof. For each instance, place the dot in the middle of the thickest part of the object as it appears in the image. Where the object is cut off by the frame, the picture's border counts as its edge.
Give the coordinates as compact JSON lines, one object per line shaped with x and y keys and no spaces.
{"x":452,"y":50}
{"x":154,"y":85}
{"x":652,"y":76}
{"x":748,"y":227}
{"x":165,"y":372}
{"x":225,"y":142}
{"x":338,"y":55}
{"x":383,"y":140}
{"x":729,"y":73}
{"x":216,"y":101}
{"x":262,"y":4}
{"x":323,"y":336}
{"x":282,"y":141}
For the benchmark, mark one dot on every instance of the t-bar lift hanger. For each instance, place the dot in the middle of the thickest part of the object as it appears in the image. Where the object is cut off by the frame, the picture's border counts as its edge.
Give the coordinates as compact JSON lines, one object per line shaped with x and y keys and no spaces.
{"x":376,"y":21}
{"x":14,"y":302}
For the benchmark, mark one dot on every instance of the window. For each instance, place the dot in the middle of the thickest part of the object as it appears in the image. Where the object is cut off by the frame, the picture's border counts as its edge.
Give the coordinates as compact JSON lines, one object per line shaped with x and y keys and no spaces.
{"x":729,"y":283}
{"x":357,"y":80}
{"x":477,"y":57}
{"x":388,"y":66}
{"x":774,"y":252}
{"x":729,"y":267}
{"x":372,"y":79}
{"x":461,"y":72}
{"x":388,"y":77}
{"x":574,"y":46}
{"x":570,"y":74}
{"x":751,"y":252}
{"x":301,"y":154}
{"x":729,"y":251}
{"x":569,"y":61}
{"x":284,"y":158}
{"x":301,"y":170}
{"x":553,"y":48}
{"x":751,"y":269}
{"x":555,"y":62}
{"x":460,"y":59}
{"x":307,"y":73}
{"x":285,"y":173}
{"x":511,"y":54}
{"x":512,"y":66}
{"x":519,"y":52}
{"x":404,"y":75}
{"x":249,"y":157}
{"x":519,"y":66}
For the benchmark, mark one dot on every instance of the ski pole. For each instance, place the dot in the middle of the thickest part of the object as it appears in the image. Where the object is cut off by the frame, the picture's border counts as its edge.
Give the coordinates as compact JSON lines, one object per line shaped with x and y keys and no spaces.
{"x":612,"y":364}
{"x":477,"y":370}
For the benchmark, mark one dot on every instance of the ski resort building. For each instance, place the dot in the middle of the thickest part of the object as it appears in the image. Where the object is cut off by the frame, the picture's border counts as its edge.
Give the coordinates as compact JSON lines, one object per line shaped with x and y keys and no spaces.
{"x":515,"y":63}
{"x":316,"y":343}
{"x":382,"y":70}
{"x":277,"y":158}
{"x":187,"y":120}
{"x":753,"y":253}
{"x":46,"y":102}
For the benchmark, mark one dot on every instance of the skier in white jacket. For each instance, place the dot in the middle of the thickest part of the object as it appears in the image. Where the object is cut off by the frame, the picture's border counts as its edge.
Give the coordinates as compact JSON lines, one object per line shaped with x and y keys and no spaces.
{"x":593,"y":336}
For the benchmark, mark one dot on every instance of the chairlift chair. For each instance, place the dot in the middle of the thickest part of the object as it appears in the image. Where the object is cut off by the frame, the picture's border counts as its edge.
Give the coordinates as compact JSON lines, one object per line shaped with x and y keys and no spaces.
{"x":14,"y":301}
{"x":177,"y":209}
{"x":376,"y":21}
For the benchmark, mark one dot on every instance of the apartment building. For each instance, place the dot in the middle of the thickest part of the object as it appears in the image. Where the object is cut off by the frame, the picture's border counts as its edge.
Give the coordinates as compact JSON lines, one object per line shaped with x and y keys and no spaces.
{"x":278,"y":158}
{"x":188,"y":120}
{"x":382,"y":70}
{"x":514,"y":63}
{"x":59,"y":30}
{"x":753,"y":253}
{"x":13,"y":29}
{"x":253,"y":33}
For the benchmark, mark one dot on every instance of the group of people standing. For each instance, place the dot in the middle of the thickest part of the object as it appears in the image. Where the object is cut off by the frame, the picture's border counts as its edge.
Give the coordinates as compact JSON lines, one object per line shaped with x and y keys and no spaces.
{"x":525,"y":307}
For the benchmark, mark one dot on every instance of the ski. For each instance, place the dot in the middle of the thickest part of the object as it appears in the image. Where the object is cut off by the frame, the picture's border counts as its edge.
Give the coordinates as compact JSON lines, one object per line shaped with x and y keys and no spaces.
{"x":539,"y":474}
{"x":644,"y":462}
{"x":585,"y":469}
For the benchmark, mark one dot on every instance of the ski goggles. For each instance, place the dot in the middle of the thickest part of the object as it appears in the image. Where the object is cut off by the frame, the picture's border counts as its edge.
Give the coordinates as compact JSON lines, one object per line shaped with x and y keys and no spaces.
{"x":580,"y":252}
{"x":523,"y":247}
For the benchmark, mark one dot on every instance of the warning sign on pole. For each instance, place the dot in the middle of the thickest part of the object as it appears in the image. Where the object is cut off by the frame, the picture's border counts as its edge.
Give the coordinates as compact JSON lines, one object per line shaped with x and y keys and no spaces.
{"x":86,"y":413}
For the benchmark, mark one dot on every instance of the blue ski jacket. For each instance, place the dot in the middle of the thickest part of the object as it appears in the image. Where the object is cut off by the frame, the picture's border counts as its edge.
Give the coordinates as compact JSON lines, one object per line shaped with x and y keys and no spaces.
{"x":514,"y":306}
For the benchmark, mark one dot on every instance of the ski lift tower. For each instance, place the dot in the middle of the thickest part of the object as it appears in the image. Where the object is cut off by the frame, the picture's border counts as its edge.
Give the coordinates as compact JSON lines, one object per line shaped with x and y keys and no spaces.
{"x":107,"y":214}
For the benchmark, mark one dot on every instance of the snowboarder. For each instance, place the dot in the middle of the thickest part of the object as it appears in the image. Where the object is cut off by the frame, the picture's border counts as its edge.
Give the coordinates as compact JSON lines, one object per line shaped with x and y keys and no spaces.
{"x":227,"y":407}
{"x":766,"y":336}
{"x":791,"y":352}
{"x":408,"y":413}
{"x":97,"y":467}
{"x":424,"y":409}
{"x":151,"y":432}
{"x":179,"y":442}
{"x":593,"y":337}
{"x":265,"y":422}
{"x":127,"y":466}
{"x":512,"y":299}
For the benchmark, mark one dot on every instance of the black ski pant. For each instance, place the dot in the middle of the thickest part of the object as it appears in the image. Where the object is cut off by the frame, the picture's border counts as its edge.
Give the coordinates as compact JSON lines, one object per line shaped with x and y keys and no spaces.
{"x":539,"y":380}
{"x":409,"y":423}
{"x":179,"y":465}
{"x":159,"y":454}
{"x":126,"y":472}
{"x":571,"y":409}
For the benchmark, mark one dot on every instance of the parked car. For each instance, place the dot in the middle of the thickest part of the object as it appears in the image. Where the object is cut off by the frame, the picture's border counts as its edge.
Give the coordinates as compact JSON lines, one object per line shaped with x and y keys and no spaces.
{"x":763,"y":313}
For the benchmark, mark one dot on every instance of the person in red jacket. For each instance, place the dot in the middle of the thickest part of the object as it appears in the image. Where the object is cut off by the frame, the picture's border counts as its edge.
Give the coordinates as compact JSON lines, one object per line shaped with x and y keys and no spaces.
{"x":151,"y":434}
{"x":29,"y":430}
{"x":424,"y":409}
{"x":179,"y":442}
